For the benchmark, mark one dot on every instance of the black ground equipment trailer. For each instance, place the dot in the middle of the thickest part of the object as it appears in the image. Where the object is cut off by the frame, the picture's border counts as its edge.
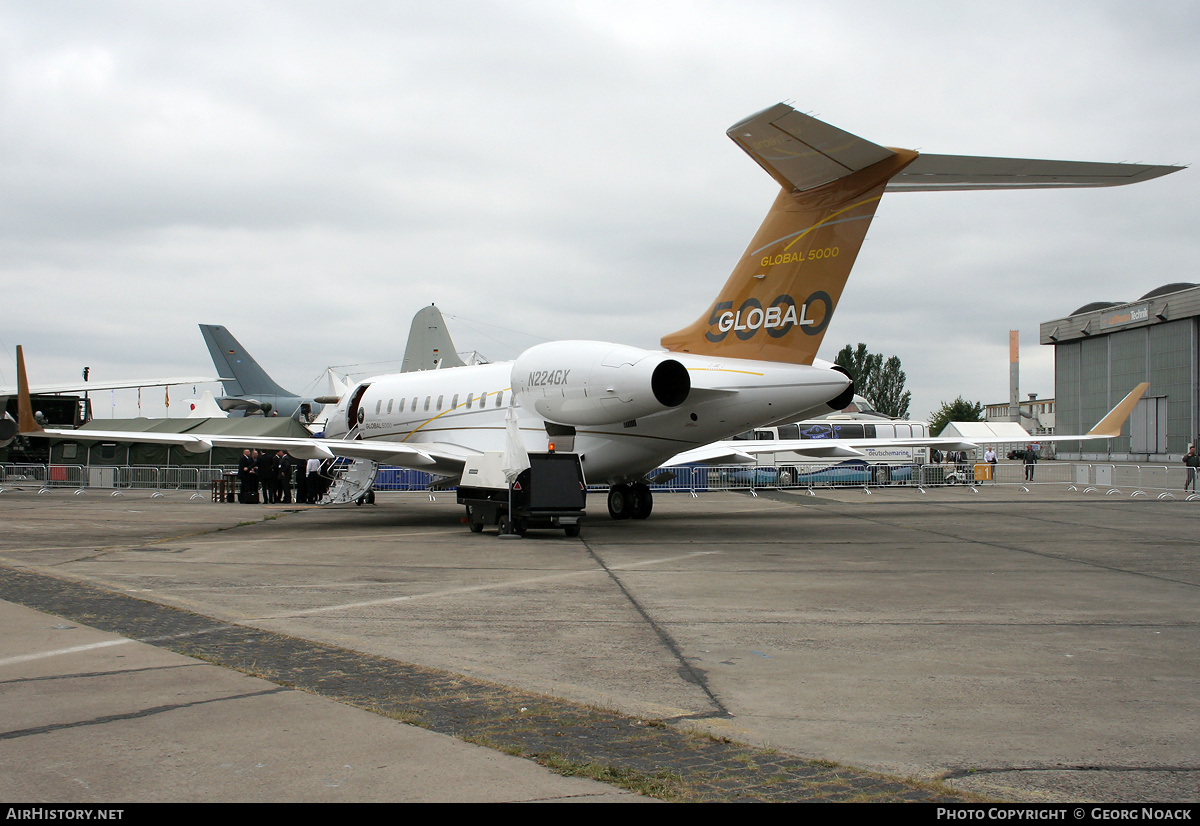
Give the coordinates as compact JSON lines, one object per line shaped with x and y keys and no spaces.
{"x":550,"y":493}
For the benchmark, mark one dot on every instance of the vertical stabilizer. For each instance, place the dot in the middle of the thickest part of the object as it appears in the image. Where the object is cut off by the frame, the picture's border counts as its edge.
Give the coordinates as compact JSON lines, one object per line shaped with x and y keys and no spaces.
{"x":429,"y":345}
{"x":240,"y":373}
{"x":782,"y":293}
{"x":781,"y":296}
{"x":25,"y":422}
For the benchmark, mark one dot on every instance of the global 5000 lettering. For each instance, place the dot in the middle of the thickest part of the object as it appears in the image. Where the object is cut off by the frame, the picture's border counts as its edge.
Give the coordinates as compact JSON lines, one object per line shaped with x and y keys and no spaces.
{"x":796,"y":257}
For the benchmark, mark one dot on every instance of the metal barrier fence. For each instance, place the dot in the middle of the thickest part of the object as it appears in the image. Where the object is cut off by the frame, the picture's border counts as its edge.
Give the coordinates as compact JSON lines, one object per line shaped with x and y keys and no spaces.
{"x":1148,"y":480}
{"x":115,"y":477}
{"x":1116,"y":478}
{"x":398,"y":478}
{"x":15,"y":474}
{"x":166,"y":478}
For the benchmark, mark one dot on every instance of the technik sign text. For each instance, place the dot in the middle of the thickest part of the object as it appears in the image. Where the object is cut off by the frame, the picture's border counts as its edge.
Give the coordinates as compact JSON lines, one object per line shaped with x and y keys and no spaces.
{"x":1129,"y":316}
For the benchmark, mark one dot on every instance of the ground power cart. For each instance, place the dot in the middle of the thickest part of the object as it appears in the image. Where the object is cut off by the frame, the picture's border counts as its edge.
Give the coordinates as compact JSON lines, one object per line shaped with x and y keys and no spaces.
{"x":550,"y":493}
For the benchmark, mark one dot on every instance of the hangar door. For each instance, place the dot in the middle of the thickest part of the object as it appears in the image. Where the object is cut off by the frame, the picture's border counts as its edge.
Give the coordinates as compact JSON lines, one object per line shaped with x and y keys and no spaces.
{"x":1148,"y":426}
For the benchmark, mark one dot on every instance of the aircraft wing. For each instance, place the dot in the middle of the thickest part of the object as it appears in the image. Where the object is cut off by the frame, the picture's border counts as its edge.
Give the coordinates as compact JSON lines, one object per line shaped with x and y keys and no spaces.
{"x":718,"y":453}
{"x":444,"y":459}
{"x":377,"y":450}
{"x":1107,"y":428}
{"x":743,"y":452}
{"x":128,"y":384}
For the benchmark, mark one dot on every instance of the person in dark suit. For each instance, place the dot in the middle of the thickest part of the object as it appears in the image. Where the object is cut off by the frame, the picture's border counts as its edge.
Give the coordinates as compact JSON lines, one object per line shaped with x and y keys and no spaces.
{"x":246,"y":479}
{"x":266,"y":476}
{"x":283,"y":478}
{"x":301,"y":484}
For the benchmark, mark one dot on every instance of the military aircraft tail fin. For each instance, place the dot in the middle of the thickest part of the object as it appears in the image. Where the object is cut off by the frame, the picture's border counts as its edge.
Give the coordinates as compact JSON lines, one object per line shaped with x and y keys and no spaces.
{"x":429,"y":345}
{"x":240,"y":374}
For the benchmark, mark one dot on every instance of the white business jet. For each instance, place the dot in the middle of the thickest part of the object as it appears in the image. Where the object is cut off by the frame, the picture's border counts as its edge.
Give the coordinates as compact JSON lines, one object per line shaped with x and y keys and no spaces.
{"x":749,"y":360}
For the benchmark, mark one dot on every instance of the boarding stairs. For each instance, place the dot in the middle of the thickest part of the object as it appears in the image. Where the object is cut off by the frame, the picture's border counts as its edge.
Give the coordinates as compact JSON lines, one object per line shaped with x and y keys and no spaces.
{"x":351,"y":480}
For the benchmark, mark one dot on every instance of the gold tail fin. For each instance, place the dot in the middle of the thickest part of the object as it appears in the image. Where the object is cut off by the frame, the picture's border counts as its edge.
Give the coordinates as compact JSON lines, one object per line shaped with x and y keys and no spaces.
{"x":781,"y":295}
{"x":26,"y":424}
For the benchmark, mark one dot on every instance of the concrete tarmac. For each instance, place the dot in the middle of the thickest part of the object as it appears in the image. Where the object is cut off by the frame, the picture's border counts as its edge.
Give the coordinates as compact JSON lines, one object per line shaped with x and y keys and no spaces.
{"x":1034,"y":645}
{"x":92,"y":717}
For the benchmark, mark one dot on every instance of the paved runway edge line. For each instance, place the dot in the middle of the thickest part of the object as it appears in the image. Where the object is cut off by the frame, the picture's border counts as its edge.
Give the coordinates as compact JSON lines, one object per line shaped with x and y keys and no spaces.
{"x":650,"y":756}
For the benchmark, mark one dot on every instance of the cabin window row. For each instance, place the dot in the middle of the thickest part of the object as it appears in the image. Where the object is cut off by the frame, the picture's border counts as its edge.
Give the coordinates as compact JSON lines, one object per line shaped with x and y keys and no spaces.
{"x":471,"y":402}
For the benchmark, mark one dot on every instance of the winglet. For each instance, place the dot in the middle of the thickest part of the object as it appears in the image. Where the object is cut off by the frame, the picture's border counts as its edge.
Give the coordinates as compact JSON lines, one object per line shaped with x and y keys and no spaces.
{"x":1110,"y":426}
{"x":25,"y":421}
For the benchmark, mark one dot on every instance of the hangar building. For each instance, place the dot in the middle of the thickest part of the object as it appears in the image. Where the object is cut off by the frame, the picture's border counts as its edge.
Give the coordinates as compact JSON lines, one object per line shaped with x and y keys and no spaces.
{"x":1104,"y":349}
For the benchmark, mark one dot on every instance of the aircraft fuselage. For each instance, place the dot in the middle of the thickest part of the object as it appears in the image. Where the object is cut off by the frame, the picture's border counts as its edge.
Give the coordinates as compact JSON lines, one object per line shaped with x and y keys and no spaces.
{"x":466,"y":407}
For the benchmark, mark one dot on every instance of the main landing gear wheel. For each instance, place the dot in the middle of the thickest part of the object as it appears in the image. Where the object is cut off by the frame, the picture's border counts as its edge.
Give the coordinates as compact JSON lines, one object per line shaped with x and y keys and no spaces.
{"x":620,"y":504}
{"x":630,"y":501}
{"x":643,"y":500}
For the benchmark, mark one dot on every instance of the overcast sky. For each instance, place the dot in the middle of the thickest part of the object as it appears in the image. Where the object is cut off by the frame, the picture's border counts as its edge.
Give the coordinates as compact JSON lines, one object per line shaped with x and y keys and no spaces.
{"x":311,"y":174}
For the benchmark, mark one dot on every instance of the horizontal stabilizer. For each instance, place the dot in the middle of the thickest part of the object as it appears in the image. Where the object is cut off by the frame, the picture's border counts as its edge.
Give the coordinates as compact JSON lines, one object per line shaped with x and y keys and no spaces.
{"x":932,"y":173}
{"x":801,"y":153}
{"x":228,"y":403}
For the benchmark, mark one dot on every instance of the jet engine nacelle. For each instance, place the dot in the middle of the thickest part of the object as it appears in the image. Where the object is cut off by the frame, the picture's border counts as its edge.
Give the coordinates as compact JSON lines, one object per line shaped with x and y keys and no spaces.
{"x":8,"y":430}
{"x":842,"y":400}
{"x":593,"y":382}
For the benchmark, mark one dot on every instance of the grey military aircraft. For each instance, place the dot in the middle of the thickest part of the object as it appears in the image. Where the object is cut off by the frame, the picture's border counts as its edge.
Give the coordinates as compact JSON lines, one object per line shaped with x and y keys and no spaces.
{"x":248,"y":388}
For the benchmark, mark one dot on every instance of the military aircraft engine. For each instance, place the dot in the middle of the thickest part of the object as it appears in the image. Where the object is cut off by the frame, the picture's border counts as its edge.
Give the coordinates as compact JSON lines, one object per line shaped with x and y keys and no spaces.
{"x":594,"y":382}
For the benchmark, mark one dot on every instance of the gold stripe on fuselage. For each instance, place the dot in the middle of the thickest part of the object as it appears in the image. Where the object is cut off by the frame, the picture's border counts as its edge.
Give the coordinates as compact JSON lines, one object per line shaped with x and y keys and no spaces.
{"x":451,"y":410}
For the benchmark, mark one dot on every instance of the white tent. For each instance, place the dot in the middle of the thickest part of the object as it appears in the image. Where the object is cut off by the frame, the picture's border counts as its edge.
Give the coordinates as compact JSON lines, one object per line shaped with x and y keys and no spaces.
{"x":985,"y":433}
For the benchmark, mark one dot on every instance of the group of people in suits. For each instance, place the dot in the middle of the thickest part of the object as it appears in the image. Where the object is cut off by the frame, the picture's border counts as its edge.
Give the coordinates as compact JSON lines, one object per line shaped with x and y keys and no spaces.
{"x":272,"y":473}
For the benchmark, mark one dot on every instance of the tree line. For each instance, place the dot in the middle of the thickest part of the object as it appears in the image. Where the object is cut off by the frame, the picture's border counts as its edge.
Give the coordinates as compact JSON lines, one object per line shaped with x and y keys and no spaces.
{"x":882,"y":382}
